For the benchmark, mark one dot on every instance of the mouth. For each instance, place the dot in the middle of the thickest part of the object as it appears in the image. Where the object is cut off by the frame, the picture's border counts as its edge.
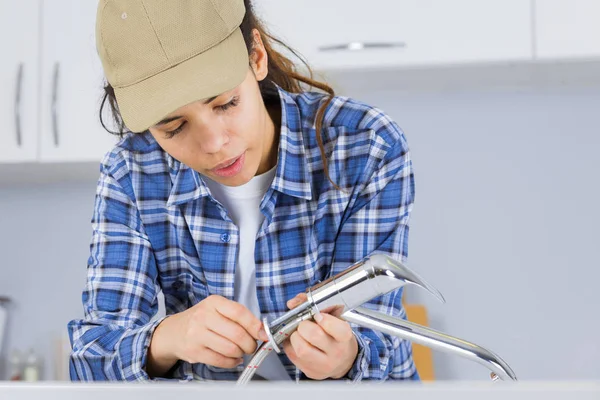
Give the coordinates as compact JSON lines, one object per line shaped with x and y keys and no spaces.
{"x":226,"y":164}
{"x":230,"y":167}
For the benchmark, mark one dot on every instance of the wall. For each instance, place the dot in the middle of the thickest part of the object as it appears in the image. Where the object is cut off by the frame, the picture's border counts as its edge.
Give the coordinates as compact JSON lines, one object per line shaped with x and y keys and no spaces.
{"x":505,"y":225}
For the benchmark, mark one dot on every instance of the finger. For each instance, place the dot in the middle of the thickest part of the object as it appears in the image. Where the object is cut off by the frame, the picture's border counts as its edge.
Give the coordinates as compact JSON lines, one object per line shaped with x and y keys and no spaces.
{"x":335,"y":310}
{"x":338,"y":329}
{"x":306,"y":366}
{"x":223,"y":346}
{"x":316,"y":336}
{"x":291,"y":354}
{"x":213,"y":358}
{"x":231,"y":331}
{"x":306,"y":352}
{"x":296,"y":301}
{"x":241,"y":315}
{"x":289,"y":351}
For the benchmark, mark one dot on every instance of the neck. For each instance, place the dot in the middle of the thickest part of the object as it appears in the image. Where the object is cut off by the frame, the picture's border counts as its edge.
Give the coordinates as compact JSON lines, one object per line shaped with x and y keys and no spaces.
{"x":273,"y":129}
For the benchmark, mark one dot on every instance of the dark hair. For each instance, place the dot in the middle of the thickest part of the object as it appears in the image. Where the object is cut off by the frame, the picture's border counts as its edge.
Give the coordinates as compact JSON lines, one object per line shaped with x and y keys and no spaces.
{"x":282,"y":71}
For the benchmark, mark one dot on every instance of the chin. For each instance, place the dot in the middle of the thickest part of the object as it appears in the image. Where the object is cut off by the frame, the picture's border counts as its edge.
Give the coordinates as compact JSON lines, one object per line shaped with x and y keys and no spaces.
{"x":240,"y":179}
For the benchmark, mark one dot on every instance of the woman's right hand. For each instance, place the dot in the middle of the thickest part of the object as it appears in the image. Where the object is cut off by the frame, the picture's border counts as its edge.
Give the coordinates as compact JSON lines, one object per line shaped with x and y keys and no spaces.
{"x":216,"y":331}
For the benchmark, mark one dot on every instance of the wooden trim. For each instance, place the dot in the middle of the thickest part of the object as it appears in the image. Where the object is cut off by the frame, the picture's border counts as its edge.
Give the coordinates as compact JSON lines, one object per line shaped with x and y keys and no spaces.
{"x":422,"y":355}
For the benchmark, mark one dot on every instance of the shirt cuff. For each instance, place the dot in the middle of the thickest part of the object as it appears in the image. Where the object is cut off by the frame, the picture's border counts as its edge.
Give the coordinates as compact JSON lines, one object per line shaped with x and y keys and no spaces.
{"x":133,"y":351}
{"x":361,"y":364}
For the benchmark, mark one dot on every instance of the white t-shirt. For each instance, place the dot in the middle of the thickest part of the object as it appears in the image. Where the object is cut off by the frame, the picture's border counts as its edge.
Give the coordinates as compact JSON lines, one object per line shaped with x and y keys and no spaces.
{"x":243,"y":206}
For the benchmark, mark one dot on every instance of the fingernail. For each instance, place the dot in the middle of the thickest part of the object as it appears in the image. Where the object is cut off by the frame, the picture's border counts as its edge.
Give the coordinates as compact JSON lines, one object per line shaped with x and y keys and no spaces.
{"x":262,"y":334}
{"x":318,"y":317}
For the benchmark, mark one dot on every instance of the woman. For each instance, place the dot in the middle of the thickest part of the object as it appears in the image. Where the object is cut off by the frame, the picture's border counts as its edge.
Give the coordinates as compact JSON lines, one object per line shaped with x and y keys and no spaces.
{"x":237,"y":192}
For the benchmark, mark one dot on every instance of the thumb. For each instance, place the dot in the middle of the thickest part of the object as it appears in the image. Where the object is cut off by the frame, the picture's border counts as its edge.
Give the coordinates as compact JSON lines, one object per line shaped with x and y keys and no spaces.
{"x":296,"y":301}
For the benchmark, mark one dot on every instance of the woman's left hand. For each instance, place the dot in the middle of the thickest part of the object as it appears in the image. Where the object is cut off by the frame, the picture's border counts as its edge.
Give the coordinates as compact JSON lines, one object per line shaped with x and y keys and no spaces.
{"x":325,"y":349}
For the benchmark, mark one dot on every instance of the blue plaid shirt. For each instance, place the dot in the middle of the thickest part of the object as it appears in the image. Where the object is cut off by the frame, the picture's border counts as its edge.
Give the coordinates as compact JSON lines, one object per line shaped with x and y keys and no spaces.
{"x":157,"y":227}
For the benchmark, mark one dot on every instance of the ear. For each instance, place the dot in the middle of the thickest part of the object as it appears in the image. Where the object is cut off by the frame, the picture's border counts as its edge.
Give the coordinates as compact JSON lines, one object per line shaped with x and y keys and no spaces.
{"x":259,"y":59}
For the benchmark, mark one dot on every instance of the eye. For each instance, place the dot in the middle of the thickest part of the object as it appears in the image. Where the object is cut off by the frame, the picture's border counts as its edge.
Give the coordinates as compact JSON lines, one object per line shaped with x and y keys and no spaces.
{"x":171,"y":134}
{"x":233,"y":103}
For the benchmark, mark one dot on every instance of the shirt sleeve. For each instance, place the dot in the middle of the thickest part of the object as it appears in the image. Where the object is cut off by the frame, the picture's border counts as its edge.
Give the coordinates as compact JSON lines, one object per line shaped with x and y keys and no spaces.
{"x":378,"y":222}
{"x":120,"y":296}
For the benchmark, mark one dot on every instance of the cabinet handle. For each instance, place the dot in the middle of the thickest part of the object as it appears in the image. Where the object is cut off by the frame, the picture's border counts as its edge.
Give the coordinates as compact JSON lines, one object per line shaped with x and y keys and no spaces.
{"x":55,"y":103}
{"x":356,"y":46}
{"x":19,"y":88}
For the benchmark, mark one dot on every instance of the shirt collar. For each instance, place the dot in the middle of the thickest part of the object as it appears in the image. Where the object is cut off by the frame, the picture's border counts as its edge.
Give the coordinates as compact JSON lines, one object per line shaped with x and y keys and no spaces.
{"x":292,"y":176}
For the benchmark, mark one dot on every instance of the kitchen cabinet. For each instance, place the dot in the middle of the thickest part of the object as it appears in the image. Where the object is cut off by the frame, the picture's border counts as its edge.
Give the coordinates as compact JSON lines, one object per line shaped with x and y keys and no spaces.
{"x":341,"y":34}
{"x":567,"y":29}
{"x":71,"y":84}
{"x":51,"y":79}
{"x":19,"y":30}
{"x":51,"y":76}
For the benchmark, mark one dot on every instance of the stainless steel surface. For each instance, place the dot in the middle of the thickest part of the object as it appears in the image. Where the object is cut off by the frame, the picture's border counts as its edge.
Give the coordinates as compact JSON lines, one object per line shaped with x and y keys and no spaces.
{"x":289,"y":315}
{"x":431,"y":338}
{"x":324,"y":390}
{"x":18,"y":90}
{"x":356,"y":46}
{"x":55,"y":83}
{"x":347,"y":290}
{"x":269,"y":333}
{"x":369,"y":278}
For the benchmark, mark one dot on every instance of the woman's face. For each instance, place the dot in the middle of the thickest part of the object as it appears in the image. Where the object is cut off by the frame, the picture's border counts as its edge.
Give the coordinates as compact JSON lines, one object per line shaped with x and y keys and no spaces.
{"x":211,"y":133}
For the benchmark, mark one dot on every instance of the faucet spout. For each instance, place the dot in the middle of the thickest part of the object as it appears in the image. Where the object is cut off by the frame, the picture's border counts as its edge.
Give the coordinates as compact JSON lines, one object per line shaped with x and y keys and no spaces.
{"x":431,"y":338}
{"x":373,"y":276}
{"x":367,"y":279}
{"x":390,"y":274}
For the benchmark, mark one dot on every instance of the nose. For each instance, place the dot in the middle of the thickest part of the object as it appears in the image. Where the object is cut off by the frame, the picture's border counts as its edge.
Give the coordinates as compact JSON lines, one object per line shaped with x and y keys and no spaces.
{"x":211,"y":137}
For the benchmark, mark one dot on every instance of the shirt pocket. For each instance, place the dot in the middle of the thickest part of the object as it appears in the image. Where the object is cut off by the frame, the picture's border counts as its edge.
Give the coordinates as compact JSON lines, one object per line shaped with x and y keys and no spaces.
{"x":182,"y":291}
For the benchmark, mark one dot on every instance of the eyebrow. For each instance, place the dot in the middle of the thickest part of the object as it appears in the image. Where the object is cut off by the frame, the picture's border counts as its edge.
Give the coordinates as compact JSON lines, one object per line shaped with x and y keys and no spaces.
{"x":171,"y":119}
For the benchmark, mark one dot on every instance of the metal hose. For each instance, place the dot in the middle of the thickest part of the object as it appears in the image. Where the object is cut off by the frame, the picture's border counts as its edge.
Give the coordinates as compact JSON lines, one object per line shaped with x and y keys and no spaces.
{"x":283,"y":331}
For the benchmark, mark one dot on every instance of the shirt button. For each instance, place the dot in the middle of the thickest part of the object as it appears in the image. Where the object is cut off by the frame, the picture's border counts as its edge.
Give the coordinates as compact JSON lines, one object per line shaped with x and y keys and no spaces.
{"x":177,"y":285}
{"x":225,"y":238}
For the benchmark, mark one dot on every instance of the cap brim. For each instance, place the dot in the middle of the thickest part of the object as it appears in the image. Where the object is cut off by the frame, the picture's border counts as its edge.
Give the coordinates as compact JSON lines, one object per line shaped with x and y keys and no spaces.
{"x":215,"y":71}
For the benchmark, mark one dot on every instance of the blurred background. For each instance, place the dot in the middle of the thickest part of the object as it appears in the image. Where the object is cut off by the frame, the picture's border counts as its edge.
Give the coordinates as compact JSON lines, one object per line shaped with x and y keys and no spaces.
{"x":499,"y":101}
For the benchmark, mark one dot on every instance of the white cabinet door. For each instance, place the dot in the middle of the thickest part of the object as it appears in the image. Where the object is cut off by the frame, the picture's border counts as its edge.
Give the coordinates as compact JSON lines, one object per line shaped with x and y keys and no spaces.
{"x":19,"y":21}
{"x":339,"y":34}
{"x":567,"y":28}
{"x":71,"y":84}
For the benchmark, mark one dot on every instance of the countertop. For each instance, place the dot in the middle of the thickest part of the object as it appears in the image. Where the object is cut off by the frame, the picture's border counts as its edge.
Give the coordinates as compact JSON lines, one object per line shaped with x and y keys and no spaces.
{"x":327,"y":390}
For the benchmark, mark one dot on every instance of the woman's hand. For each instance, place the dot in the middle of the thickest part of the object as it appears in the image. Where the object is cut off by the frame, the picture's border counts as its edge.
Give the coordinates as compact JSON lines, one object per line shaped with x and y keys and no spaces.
{"x":325,"y":349}
{"x":216,"y":331}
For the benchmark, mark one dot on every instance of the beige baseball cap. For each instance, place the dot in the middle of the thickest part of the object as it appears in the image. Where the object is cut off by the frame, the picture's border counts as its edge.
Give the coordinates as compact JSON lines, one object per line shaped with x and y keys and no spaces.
{"x":160,"y":55}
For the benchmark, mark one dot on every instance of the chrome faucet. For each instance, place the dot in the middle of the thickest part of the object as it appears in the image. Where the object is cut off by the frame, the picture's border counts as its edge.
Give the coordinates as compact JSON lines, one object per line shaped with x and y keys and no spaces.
{"x":343,"y":295}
